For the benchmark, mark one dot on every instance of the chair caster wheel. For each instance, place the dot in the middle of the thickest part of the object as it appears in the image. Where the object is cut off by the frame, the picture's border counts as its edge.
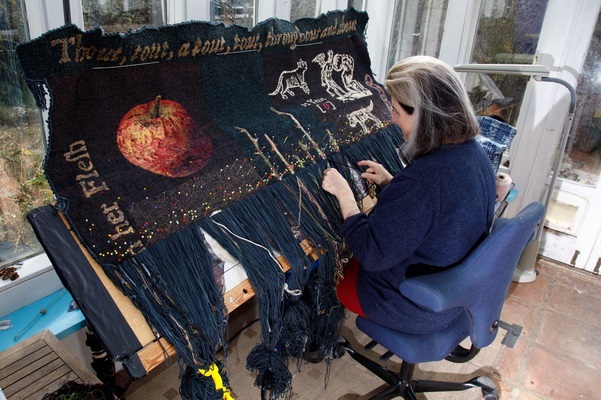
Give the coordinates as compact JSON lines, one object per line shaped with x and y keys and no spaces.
{"x":489,"y":392}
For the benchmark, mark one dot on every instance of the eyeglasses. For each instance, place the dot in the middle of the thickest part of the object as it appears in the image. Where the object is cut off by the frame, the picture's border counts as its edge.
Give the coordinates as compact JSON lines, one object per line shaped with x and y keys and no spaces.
{"x":408,"y":109}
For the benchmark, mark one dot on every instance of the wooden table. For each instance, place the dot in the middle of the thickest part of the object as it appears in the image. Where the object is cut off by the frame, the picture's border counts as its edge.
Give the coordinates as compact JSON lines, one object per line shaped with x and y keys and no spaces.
{"x":39,"y":365}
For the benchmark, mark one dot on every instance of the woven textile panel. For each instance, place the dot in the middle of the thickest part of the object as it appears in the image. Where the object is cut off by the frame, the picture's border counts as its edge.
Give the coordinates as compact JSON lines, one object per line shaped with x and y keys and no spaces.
{"x":155,"y":129}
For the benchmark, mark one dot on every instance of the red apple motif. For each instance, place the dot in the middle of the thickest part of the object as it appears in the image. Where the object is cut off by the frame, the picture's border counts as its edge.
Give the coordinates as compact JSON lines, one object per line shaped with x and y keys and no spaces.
{"x":162,"y":137}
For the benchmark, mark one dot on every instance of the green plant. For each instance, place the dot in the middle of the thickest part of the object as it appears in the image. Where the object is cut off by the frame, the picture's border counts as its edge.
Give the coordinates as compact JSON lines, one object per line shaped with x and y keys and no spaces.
{"x":113,"y":16}
{"x":23,"y":186}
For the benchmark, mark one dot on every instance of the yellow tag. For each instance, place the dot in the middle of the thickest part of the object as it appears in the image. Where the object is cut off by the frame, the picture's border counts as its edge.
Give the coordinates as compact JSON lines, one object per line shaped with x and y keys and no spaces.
{"x":213,"y":372}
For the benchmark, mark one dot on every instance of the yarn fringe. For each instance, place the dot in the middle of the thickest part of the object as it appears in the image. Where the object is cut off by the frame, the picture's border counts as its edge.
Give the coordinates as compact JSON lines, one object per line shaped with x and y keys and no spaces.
{"x":173,"y":284}
{"x":240,"y":236}
{"x":273,"y":376}
{"x":296,"y":331}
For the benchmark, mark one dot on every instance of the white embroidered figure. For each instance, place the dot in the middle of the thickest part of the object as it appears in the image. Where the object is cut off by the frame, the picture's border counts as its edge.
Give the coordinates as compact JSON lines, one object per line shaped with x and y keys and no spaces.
{"x":362,"y":116}
{"x":291,"y":80}
{"x":340,"y":68}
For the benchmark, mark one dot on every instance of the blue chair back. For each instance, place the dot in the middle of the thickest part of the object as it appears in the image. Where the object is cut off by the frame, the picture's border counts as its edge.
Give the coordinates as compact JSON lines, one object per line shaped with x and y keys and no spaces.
{"x":481,"y":281}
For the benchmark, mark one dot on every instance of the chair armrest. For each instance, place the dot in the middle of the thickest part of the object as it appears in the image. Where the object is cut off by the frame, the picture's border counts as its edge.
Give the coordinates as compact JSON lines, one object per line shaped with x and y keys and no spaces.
{"x":439,"y":291}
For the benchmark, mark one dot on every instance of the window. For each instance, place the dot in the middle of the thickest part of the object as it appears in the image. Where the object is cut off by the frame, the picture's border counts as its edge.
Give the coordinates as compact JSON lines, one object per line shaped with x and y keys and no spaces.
{"x":302,"y":9}
{"x":22,"y":145}
{"x":507,"y":33}
{"x":241,"y":12}
{"x":120,"y":15}
{"x":417,"y":29}
{"x":583,"y":161}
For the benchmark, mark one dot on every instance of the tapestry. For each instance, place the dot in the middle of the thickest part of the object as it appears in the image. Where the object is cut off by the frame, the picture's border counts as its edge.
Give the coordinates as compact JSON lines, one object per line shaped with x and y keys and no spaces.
{"x":161,"y":136}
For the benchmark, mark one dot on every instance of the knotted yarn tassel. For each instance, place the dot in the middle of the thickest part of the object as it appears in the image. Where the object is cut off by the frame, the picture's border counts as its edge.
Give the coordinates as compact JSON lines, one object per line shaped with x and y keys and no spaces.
{"x":236,"y":231}
{"x":327,"y":313}
{"x":205,"y":384}
{"x":273,"y":376}
{"x":297,"y":328}
{"x":319,"y":220}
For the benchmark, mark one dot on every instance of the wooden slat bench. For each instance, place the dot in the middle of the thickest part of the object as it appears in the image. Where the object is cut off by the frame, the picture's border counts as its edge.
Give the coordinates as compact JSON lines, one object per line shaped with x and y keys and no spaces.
{"x":39,"y":365}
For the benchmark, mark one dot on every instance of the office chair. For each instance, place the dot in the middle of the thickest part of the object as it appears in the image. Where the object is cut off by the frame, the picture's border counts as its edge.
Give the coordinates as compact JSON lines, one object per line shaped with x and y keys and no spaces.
{"x":479,"y":284}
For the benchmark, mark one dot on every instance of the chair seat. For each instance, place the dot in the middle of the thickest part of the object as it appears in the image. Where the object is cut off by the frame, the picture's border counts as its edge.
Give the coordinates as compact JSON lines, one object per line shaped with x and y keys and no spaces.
{"x":418,"y":348}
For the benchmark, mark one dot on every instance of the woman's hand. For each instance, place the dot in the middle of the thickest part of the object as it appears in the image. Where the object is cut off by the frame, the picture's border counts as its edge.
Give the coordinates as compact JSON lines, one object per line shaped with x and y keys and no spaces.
{"x":375,"y":173}
{"x":333,"y":182}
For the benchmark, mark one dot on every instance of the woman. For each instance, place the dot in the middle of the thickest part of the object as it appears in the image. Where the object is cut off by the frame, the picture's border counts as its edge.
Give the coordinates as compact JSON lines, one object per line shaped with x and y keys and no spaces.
{"x":428,"y":216}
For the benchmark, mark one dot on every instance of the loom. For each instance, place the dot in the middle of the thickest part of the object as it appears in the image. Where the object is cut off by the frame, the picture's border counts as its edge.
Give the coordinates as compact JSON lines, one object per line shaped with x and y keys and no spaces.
{"x":162,"y":136}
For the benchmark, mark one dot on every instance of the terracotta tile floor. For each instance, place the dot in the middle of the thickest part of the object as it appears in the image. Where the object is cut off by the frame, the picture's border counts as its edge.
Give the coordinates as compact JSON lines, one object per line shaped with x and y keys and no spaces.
{"x":558,"y":355}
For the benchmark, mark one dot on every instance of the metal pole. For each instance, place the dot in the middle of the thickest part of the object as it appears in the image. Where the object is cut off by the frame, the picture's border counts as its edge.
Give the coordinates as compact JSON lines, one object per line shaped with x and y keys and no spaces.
{"x":562,"y":147}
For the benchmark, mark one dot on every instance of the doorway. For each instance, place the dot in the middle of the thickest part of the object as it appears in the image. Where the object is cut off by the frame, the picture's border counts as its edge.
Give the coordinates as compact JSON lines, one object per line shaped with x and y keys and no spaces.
{"x":573,"y":225}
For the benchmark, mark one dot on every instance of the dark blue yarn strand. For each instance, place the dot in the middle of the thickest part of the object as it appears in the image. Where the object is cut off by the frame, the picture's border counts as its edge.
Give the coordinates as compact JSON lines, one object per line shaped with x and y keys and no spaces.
{"x":263,"y":272}
{"x":273,"y":376}
{"x":267,"y":213}
{"x":312,"y":178}
{"x":311,"y":226}
{"x":382,"y":147}
{"x":267,"y":279}
{"x":295,"y":324}
{"x":316,"y":204}
{"x":325,"y":311}
{"x":187,"y":264}
{"x":164,"y":283}
{"x":139,"y":288}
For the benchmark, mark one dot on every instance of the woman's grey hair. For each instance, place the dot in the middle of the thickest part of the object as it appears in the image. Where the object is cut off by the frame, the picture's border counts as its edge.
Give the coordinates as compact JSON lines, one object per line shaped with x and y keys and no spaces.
{"x":443,"y":110}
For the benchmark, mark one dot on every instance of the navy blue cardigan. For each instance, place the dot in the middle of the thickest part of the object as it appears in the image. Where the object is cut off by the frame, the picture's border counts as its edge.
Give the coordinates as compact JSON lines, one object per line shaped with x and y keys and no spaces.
{"x":430,"y":215}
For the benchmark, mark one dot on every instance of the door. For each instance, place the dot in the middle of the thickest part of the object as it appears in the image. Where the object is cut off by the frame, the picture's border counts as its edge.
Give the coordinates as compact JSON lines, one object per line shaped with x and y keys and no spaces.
{"x":560,"y":35}
{"x":573,"y":226}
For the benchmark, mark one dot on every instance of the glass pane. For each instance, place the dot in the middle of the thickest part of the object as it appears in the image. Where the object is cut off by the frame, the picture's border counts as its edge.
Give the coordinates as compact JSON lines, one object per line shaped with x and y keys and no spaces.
{"x":583,"y":163}
{"x":507,"y":33}
{"x":417,"y":29}
{"x":239,"y":12}
{"x":121,"y":15}
{"x":314,"y":8}
{"x":22,"y":183}
{"x":357,"y":4}
{"x":302,"y":9}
